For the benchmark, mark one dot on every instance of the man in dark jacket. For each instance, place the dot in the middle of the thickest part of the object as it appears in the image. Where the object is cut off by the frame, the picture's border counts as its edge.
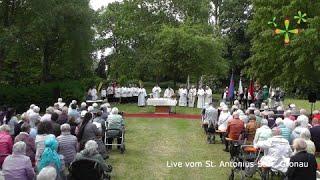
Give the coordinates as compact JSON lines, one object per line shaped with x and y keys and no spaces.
{"x":315,"y":133}
{"x":303,"y":165}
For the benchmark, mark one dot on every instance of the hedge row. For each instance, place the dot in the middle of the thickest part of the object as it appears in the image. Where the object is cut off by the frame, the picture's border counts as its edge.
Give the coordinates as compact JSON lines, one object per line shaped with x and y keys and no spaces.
{"x":42,"y":95}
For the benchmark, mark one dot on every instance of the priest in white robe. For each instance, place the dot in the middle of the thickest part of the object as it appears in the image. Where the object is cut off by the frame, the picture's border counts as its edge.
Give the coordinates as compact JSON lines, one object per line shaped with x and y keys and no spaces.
{"x":168,"y":93}
{"x":94,"y":94}
{"x":183,"y":93}
{"x":208,"y":98}
{"x":142,"y":97}
{"x":156,"y":91}
{"x":117,"y":93}
{"x":192,"y":96}
{"x":201,"y":96}
{"x":135,"y":93}
{"x":124,"y":94}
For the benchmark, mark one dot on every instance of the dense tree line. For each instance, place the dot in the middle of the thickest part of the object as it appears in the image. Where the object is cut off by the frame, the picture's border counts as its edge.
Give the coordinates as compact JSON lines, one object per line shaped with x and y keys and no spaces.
{"x":295,"y":66}
{"x":43,"y":41}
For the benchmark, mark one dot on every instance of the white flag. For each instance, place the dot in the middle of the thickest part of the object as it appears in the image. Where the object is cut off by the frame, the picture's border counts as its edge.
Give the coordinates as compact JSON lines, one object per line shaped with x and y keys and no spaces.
{"x":240,"y":90}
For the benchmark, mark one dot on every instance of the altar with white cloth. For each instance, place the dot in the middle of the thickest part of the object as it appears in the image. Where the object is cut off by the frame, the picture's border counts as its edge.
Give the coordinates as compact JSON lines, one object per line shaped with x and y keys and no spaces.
{"x":162,"y":105}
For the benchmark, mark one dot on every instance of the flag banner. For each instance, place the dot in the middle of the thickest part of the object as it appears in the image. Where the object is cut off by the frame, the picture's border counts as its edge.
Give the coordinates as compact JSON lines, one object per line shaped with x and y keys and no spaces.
{"x":231,"y":88}
{"x":251,"y":90}
{"x":240,"y":89}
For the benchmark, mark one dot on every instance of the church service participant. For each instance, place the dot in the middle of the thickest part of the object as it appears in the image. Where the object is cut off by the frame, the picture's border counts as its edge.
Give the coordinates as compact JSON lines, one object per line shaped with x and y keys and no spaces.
{"x":210,"y":121}
{"x":168,"y":93}
{"x":301,"y":156}
{"x":117,"y":93}
{"x":123,"y":94}
{"x":129,"y":93}
{"x":60,"y":103}
{"x":110,"y":93}
{"x":224,"y":117}
{"x":30,"y":110}
{"x":142,"y":97}
{"x":225,"y":95}
{"x":156,"y":91}
{"x":277,"y":152}
{"x":94,"y":93}
{"x":201,"y":96}
{"x":183,"y":93}
{"x":208,"y":97}
{"x":192,"y":96}
{"x":18,"y":165}
{"x":135,"y":93}
{"x":103,"y":93}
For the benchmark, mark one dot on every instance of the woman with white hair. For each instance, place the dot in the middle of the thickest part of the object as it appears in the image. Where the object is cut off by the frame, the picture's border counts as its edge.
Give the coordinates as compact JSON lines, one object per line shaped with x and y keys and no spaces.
{"x":34,"y":116}
{"x":67,"y":144}
{"x":287,"y":121}
{"x":277,"y":151}
{"x":90,"y":152}
{"x":47,"y":173}
{"x":5,"y":142}
{"x":308,"y":168}
{"x":263,"y":133}
{"x":285,"y":132}
{"x":115,"y":121}
{"x":224,"y":118}
{"x":18,"y":165}
{"x":301,"y":125}
{"x":306,"y":135}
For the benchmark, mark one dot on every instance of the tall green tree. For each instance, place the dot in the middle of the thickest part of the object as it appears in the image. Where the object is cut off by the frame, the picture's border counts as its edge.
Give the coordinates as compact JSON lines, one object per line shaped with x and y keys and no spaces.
{"x":138,"y":29}
{"x":296,"y":65}
{"x":45,"y":41}
{"x":233,"y":20}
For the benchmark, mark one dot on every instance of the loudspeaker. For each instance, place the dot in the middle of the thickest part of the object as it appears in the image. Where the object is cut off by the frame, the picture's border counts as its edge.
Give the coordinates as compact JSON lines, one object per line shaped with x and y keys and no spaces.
{"x":312,"y":97}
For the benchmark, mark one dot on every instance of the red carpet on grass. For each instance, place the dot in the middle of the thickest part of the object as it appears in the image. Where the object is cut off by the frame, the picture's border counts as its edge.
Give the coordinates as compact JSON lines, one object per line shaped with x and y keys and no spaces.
{"x":153,"y":115}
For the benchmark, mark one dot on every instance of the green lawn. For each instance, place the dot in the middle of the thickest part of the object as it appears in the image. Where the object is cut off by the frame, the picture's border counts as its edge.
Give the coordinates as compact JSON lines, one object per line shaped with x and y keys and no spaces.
{"x":133,"y":108}
{"x":150,"y":143}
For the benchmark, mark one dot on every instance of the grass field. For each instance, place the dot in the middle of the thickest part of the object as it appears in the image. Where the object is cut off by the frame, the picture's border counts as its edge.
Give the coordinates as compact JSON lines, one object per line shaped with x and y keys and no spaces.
{"x":152,"y":143}
{"x":133,"y":108}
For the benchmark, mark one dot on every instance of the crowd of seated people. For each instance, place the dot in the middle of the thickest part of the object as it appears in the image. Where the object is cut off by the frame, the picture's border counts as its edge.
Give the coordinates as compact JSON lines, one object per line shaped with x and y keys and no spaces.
{"x":283,"y":134}
{"x":46,"y":145}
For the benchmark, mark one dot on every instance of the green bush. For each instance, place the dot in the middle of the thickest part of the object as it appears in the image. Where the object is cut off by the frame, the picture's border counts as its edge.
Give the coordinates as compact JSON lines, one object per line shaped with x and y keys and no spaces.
{"x":42,"y":95}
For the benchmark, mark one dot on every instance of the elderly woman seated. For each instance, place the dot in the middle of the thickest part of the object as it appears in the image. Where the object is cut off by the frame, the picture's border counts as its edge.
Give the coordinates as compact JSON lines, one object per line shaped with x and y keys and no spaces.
{"x":47,"y":173}
{"x":263,"y":133}
{"x":18,"y":165}
{"x":277,"y":151}
{"x":90,"y":152}
{"x":51,"y":157}
{"x":30,"y":143}
{"x":67,"y":144}
{"x":305,"y":134}
{"x":303,"y":165}
{"x":300,"y":125}
{"x":5,"y":142}
{"x":115,"y":121}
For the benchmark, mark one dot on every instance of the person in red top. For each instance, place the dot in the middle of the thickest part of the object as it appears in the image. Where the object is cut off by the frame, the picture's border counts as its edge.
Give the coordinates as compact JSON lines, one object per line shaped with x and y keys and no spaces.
{"x":5,"y":143}
{"x":234,"y":129}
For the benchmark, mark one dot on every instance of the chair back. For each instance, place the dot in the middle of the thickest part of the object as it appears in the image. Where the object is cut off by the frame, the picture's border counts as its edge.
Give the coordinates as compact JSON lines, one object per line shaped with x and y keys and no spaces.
{"x":86,"y":169}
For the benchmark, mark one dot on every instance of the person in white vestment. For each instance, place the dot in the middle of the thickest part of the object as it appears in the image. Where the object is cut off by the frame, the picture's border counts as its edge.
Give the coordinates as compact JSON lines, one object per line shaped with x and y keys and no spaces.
{"x":208,"y":98}
{"x":168,"y":93}
{"x":94,"y":94}
{"x":183,"y":93}
{"x":201,"y":96}
{"x":135,"y":93}
{"x":124,"y":94}
{"x":156,"y":90}
{"x":130,"y":93}
{"x":117,"y":93}
{"x":103,"y":93}
{"x":225,"y":95}
{"x":142,"y":94}
{"x":192,"y":96}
